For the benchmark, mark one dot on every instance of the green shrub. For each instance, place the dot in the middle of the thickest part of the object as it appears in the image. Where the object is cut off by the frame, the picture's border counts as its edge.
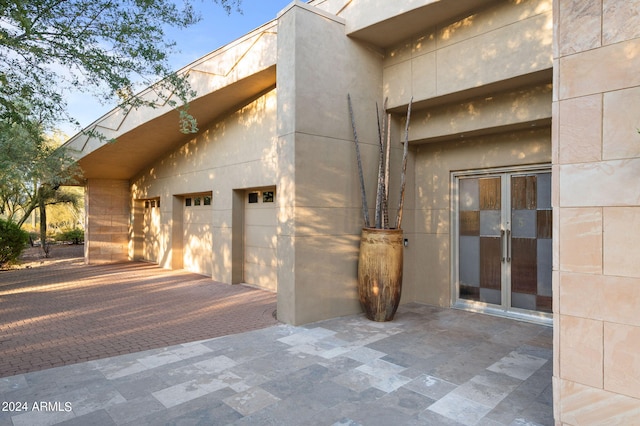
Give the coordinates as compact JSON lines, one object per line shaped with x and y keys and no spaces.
{"x":76,"y":236}
{"x":12,"y":242}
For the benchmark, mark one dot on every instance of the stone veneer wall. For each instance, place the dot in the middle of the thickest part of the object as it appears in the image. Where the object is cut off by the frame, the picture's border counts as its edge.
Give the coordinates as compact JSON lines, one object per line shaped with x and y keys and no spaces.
{"x":107,"y":221}
{"x":596,"y":149}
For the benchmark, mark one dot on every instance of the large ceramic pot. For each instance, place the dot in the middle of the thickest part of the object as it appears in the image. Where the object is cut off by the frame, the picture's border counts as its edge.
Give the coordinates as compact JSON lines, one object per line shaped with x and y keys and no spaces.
{"x":380,"y":272}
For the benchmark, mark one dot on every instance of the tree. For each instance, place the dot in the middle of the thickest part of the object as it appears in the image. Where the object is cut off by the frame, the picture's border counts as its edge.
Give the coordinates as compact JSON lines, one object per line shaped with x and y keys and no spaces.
{"x":46,"y":195}
{"x":62,"y":216}
{"x":32,"y":169}
{"x":12,"y":242}
{"x":51,"y":47}
{"x":105,"y":47}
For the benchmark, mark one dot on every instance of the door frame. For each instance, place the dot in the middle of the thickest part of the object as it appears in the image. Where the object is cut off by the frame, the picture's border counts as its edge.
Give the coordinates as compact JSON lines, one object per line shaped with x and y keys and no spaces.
{"x":477,"y":306}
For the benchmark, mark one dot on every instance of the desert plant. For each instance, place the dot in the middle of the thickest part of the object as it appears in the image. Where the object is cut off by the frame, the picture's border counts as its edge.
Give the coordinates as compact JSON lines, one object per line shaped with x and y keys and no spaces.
{"x":13,"y":241}
{"x":381,"y":219}
{"x":74,"y":236}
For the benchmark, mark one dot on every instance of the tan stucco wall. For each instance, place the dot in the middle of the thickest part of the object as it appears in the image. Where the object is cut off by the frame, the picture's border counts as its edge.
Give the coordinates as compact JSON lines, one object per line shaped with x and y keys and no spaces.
{"x":526,"y":107}
{"x":306,"y":149}
{"x":481,"y":88}
{"x":321,"y":218}
{"x":237,"y":152}
{"x":320,"y":210}
{"x":431,"y":248}
{"x":107,"y":205}
{"x":509,"y":40}
{"x":597,"y":212}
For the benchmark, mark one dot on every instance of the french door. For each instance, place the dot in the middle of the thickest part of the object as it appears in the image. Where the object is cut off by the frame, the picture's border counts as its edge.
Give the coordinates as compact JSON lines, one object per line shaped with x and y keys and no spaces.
{"x":502,"y":242}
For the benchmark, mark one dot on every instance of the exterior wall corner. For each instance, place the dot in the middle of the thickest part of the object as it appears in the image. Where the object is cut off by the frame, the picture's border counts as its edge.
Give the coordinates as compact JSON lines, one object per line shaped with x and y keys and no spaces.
{"x":107,"y":221}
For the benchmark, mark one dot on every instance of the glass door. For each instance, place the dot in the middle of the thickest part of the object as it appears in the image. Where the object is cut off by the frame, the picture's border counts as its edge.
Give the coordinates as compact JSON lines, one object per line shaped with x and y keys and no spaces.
{"x":502,"y":242}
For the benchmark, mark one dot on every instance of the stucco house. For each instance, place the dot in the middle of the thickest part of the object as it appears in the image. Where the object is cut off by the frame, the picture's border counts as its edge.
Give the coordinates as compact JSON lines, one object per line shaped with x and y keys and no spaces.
{"x":522,"y":195}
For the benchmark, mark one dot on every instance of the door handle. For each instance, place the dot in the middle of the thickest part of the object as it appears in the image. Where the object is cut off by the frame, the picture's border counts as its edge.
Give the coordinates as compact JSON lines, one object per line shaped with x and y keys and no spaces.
{"x":502,"y":244}
{"x":508,"y":245}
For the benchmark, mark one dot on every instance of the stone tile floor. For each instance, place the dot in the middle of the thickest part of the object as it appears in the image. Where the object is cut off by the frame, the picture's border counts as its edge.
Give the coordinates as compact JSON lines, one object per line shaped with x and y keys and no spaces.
{"x":429,"y":366}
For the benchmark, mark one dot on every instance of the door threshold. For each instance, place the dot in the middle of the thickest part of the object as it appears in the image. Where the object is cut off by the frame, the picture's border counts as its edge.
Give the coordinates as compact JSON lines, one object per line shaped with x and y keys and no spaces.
{"x":538,"y":318}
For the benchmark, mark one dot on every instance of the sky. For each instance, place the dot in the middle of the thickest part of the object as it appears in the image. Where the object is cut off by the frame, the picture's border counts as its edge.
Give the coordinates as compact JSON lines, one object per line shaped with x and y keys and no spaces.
{"x":215,"y":30}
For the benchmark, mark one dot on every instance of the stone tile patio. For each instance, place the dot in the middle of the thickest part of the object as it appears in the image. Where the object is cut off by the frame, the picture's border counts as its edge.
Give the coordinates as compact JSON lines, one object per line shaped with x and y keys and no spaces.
{"x":428,"y":366}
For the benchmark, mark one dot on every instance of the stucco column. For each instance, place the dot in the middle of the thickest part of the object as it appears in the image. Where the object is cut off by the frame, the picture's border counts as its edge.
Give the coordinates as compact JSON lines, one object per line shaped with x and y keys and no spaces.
{"x":107,"y":221}
{"x":319,"y":204}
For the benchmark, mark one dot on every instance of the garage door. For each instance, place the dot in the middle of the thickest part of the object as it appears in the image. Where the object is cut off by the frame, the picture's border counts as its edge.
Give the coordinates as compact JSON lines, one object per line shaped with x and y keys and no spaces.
{"x":151,"y":230}
{"x":197,"y":244}
{"x":260,"y":237}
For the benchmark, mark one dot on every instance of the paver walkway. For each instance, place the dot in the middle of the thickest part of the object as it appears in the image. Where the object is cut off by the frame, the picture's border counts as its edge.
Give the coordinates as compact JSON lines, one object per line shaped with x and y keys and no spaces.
{"x":66,"y":312}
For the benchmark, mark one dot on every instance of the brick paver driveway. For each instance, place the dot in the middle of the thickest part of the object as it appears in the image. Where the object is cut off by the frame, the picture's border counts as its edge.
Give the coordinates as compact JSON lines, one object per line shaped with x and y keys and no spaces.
{"x":66,"y":312}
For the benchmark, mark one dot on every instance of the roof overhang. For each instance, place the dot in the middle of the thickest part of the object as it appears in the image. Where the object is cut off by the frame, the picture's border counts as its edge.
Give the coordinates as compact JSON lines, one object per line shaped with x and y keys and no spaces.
{"x":224,"y":80}
{"x":408,"y":22}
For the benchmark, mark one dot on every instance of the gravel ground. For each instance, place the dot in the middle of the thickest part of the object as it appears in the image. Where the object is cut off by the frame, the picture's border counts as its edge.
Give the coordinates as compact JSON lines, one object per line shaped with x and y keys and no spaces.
{"x":34,"y":256}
